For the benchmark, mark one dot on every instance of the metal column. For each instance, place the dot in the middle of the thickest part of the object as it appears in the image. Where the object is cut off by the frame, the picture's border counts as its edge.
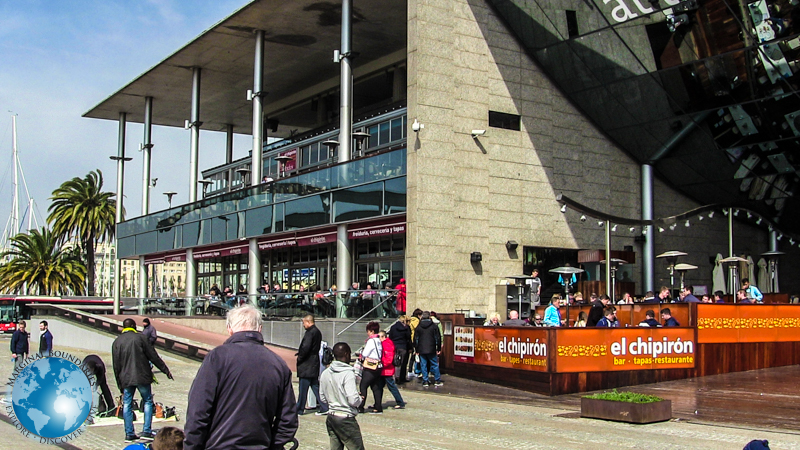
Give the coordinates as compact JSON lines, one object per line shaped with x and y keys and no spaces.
{"x":147,"y":145}
{"x":228,"y":144}
{"x":191,"y":274}
{"x":343,"y":257}
{"x":609,"y":287}
{"x":194,"y":126}
{"x":256,"y":164}
{"x":253,"y":267}
{"x":142,"y":278}
{"x":119,"y":207}
{"x":648,"y":255}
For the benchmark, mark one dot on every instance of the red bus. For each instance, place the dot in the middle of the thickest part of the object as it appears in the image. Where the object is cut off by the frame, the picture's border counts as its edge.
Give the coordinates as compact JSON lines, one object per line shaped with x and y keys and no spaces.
{"x":14,"y":308}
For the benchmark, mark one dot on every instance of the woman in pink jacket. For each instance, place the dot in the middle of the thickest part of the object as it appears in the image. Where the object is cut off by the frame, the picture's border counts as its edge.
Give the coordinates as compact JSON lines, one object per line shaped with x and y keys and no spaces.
{"x":387,"y":359}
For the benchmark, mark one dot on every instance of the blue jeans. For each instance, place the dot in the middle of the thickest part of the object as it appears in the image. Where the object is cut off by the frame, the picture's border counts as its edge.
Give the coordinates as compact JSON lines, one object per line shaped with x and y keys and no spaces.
{"x":430,"y":361}
{"x":305,"y":383}
{"x":393,"y":389}
{"x":127,"y":412}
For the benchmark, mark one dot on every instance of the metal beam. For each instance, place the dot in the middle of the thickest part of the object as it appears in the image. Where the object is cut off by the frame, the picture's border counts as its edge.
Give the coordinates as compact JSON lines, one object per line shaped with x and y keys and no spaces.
{"x":147,"y":145}
{"x":343,"y":264}
{"x":194,"y":126}
{"x":119,"y":206}
{"x":256,"y":164}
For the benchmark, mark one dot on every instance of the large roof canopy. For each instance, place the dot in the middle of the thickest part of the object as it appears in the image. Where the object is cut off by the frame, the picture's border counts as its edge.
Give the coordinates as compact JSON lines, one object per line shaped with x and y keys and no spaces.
{"x":300,"y":38}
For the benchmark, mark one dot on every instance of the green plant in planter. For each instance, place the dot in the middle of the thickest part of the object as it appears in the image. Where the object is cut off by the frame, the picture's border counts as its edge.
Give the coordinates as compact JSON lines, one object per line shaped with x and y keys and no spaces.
{"x":630,"y":397}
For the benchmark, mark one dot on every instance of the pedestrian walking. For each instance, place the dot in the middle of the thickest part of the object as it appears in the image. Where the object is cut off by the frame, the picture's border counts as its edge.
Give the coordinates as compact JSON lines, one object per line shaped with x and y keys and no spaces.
{"x":428,"y":345}
{"x":339,"y":391}
{"x":387,"y":358}
{"x":308,"y":365}
{"x":132,"y":354}
{"x":149,"y":331}
{"x":371,"y":375}
{"x":19,"y":345}
{"x":242,"y":396}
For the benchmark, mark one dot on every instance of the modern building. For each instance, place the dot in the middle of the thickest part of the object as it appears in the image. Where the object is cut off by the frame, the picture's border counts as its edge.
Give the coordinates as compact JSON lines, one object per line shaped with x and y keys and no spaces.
{"x":431,"y":142}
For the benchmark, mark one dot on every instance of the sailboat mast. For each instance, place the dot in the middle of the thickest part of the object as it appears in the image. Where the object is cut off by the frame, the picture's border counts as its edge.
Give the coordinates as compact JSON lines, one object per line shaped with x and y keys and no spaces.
{"x":15,"y":207}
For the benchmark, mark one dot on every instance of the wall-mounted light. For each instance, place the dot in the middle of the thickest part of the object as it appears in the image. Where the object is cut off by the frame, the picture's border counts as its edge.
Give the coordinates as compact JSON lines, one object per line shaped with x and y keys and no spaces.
{"x":564,"y":208}
{"x":511,"y":245}
{"x":600,"y":223}
{"x":687,"y":223}
{"x":475,"y":257}
{"x":632,"y":229}
{"x":416,"y":126}
{"x":583,"y":218}
{"x":614,"y":228}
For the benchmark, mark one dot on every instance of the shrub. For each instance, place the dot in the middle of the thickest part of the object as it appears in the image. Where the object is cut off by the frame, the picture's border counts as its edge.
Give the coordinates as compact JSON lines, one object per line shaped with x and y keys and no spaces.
{"x":630,"y":397}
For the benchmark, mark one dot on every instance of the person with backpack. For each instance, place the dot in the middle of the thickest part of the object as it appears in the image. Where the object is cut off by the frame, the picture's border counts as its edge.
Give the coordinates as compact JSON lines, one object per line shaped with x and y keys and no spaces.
{"x":388,"y":359}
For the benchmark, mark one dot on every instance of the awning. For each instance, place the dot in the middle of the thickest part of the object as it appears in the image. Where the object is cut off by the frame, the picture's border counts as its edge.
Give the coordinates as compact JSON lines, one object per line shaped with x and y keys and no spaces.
{"x":395,"y":226}
{"x":219,"y":252}
{"x":287,"y":241}
{"x":320,"y":237}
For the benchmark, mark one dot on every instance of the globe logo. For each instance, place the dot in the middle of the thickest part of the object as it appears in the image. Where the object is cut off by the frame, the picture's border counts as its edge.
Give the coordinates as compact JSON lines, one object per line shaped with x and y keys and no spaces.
{"x":52,"y":397}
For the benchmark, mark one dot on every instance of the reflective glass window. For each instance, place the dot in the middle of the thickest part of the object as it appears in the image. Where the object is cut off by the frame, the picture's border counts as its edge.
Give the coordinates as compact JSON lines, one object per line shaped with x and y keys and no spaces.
{"x":278,"y":217}
{"x":358,"y":202}
{"x":258,"y":221}
{"x":126,"y":247}
{"x":146,"y":243}
{"x":166,"y":239}
{"x":383,"y":134}
{"x":308,"y":212}
{"x":395,"y":196}
{"x":191,"y":234}
{"x":397,"y":129}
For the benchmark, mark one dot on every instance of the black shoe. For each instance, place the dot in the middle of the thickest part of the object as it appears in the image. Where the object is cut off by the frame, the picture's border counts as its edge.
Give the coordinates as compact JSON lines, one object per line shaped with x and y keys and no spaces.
{"x":375,"y":411}
{"x":426,"y":383}
{"x":148,"y":436}
{"x":361,"y":410}
{"x":438,"y":383}
{"x":133,"y":438}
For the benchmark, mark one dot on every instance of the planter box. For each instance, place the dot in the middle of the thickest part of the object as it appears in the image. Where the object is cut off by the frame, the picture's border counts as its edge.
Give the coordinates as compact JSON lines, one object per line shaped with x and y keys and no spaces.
{"x":626,"y":411}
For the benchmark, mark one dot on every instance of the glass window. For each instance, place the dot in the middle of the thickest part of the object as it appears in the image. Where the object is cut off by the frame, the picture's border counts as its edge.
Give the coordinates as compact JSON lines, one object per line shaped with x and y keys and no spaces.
{"x":126,"y":246}
{"x":258,"y":221}
{"x":397,"y":129}
{"x":146,"y":243}
{"x":278,"y":217}
{"x":358,"y":202}
{"x":383,"y":134}
{"x":308,"y":212}
{"x":395,"y":196}
{"x":166,"y":239}
{"x":205,"y":232}
{"x":191,"y":234}
{"x":373,"y":136}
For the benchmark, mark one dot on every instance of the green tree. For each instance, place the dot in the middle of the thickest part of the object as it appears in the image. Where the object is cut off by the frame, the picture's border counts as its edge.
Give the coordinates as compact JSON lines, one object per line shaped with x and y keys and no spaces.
{"x":40,"y":265}
{"x":80,"y":210}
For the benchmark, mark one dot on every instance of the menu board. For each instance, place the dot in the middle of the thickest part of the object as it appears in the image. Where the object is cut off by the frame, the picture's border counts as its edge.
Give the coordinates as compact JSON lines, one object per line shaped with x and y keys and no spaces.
{"x":464,"y":338}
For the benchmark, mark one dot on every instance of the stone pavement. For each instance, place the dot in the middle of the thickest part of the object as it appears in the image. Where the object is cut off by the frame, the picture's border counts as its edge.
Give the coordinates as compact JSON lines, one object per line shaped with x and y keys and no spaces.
{"x":444,"y":418}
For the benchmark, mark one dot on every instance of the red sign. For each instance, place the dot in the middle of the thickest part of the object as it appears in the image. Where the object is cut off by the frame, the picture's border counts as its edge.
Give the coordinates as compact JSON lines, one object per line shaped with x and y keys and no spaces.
{"x":220,"y":252}
{"x":291,"y":164}
{"x":722,"y":323}
{"x":316,"y":239}
{"x":279,"y":243}
{"x":612,"y":349}
{"x":514,"y":348}
{"x":378,"y":230}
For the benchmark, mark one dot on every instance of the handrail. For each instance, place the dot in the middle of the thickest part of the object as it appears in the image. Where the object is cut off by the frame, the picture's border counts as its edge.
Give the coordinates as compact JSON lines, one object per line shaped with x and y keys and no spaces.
{"x":365,"y":315}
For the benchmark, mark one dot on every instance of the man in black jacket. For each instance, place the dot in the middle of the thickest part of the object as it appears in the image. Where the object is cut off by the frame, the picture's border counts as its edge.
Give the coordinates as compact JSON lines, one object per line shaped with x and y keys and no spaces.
{"x":596,"y":312}
{"x":242,"y":396}
{"x":95,"y":365}
{"x":400,"y":334}
{"x":308,"y":365}
{"x":19,"y":344}
{"x":428,"y":345}
{"x":132,"y":354}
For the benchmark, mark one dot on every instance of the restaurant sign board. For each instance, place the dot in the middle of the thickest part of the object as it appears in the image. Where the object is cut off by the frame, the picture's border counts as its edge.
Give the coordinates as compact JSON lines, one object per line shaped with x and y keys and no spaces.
{"x":513,"y":348}
{"x":615,"y":349}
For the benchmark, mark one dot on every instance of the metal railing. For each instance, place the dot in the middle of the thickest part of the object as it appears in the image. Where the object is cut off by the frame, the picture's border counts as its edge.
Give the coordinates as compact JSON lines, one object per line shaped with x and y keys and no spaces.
{"x":350,"y":304}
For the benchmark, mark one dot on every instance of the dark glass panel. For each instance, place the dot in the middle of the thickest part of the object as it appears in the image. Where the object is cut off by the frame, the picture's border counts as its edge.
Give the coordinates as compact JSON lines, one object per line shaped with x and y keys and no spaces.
{"x":395,"y":196}
{"x":358,"y":202}
{"x":308,"y":212}
{"x":146,"y":243}
{"x":126,"y":247}
{"x":258,"y":221}
{"x":166,"y":239}
{"x":191,"y":234}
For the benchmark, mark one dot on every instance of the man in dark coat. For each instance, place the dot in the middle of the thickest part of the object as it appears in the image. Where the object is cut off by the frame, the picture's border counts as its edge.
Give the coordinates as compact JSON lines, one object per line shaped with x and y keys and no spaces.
{"x":95,"y":365}
{"x":19,"y":344}
{"x":45,"y":339}
{"x":242,"y":396}
{"x":596,"y":312}
{"x":308,"y":365}
{"x":428,"y":345}
{"x":400,"y":334}
{"x":149,"y":331}
{"x":132,"y":354}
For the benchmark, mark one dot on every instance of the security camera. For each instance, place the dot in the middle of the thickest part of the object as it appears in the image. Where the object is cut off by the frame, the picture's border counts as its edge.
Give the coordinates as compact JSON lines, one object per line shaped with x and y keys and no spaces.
{"x":476,"y":133}
{"x":416,"y":126}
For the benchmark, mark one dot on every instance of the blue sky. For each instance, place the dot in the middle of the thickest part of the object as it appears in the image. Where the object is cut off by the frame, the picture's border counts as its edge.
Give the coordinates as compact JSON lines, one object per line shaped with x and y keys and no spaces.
{"x":60,"y":58}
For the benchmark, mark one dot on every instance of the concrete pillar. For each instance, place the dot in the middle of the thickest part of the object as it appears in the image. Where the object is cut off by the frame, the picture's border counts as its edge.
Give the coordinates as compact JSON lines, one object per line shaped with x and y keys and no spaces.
{"x":194,"y":126}
{"x":228,"y":144}
{"x":147,"y":146}
{"x":253,"y":267}
{"x":609,"y":285}
{"x":343,"y":266}
{"x":256,"y":163}
{"x":191,"y":274}
{"x":648,"y":254}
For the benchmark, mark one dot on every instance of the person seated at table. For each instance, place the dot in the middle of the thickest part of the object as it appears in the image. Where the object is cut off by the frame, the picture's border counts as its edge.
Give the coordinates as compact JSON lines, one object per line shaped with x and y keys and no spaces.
{"x":493,"y":320}
{"x":578,"y":299}
{"x":718,"y":297}
{"x":552,"y":315}
{"x":650,"y":297}
{"x":687,"y":295}
{"x":626,"y":299}
{"x":514,"y":320}
{"x":241,"y":295}
{"x":581,"y":322}
{"x":596,"y":312}
{"x":536,"y":321}
{"x":650,"y":319}
{"x":608,"y":318}
{"x":669,"y":321}
{"x":214,"y":291}
{"x":741,"y":297}
{"x":752,"y":292}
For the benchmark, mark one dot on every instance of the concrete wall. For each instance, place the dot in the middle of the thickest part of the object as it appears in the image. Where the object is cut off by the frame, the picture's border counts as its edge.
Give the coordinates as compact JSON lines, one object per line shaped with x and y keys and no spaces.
{"x":68,"y":334}
{"x":472,"y":195}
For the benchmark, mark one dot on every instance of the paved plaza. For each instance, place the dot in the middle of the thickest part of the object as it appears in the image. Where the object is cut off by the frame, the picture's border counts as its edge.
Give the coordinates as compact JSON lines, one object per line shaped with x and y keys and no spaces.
{"x":465,"y":414}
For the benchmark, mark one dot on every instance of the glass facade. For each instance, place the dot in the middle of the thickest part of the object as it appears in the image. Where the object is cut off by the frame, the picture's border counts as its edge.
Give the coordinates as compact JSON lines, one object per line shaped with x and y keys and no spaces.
{"x":642,"y":71}
{"x":366,"y":187}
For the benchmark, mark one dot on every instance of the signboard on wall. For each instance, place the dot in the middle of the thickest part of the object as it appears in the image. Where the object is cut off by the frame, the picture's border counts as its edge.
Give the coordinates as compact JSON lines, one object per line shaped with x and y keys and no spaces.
{"x":513,"y":348}
{"x":747,"y":323}
{"x":614,"y":349}
{"x":291,"y":164}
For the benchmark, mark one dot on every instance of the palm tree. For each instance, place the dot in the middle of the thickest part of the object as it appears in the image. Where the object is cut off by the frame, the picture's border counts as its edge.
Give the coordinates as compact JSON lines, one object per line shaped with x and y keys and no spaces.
{"x":39,"y":265}
{"x":82,"y":211}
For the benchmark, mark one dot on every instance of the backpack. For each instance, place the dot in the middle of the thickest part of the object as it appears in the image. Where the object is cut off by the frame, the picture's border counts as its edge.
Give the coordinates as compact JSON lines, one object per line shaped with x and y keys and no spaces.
{"x":327,"y":356}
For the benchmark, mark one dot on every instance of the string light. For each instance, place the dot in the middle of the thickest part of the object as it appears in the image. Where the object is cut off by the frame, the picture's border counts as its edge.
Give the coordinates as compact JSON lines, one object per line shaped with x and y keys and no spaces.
{"x":644,"y":230}
{"x":749,"y":216}
{"x":660,"y":230}
{"x":725,"y":212}
{"x":614,"y":228}
{"x":699,"y":217}
{"x":780,"y":236}
{"x":735,"y":213}
{"x":632,"y":229}
{"x":600,"y":223}
{"x":687,"y":223}
{"x":711,"y":215}
{"x":564,"y":208}
{"x":758,"y":222}
{"x":672,"y":227}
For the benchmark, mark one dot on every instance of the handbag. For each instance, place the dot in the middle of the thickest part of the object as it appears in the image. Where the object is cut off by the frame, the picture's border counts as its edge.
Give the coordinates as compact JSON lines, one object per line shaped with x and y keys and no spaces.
{"x":358,"y":368}
{"x":398,"y":360}
{"x":372,"y":364}
{"x":119,"y":410}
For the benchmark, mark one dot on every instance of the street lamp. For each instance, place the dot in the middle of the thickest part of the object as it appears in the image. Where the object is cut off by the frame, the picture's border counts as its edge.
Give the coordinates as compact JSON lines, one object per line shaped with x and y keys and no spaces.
{"x":206,"y":184}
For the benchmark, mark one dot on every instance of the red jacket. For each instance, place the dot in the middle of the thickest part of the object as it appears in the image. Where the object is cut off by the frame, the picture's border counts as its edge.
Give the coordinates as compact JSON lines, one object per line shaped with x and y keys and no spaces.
{"x":387,"y":358}
{"x":400,"y":305}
